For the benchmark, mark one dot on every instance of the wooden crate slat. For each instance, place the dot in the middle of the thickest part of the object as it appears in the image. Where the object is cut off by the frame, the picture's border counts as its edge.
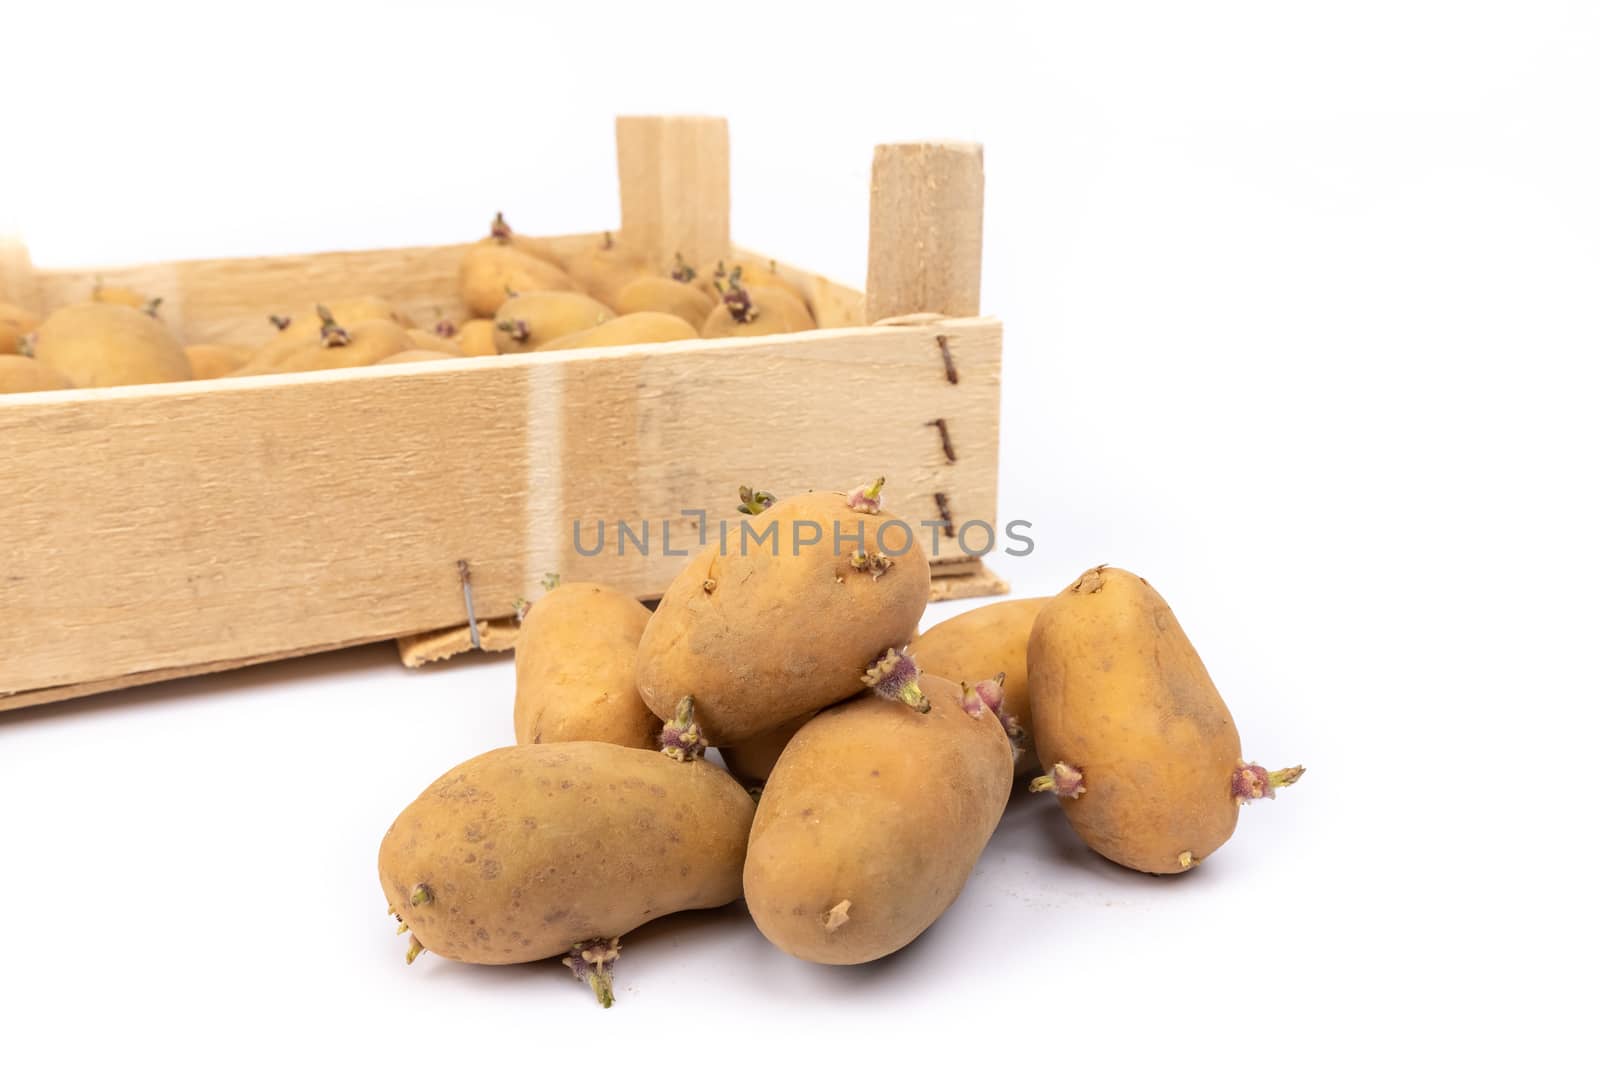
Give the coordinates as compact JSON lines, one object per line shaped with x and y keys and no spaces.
{"x":55,"y":694}
{"x":672,"y":173}
{"x":497,"y":635}
{"x":160,"y":527}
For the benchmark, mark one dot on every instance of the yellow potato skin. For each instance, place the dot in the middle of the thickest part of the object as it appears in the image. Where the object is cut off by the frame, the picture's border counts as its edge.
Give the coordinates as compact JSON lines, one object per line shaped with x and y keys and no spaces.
{"x":531,"y":849}
{"x":665,"y":294}
{"x":19,"y":374}
{"x":416,"y":355}
{"x":109,"y":344}
{"x":576,"y":651}
{"x":537,"y":247}
{"x":282,"y":344}
{"x":119,"y":295}
{"x":606,"y":268}
{"x":547,"y":316}
{"x":1119,"y":693}
{"x":779,"y":634}
{"x":428,"y":341}
{"x":490,"y":272}
{"x":642,"y":327}
{"x":215,"y":361}
{"x":981,"y":643}
{"x":721,"y":323}
{"x":777,"y":311}
{"x":15,"y":324}
{"x":877,"y":805}
{"x":476,"y":338}
{"x":751,"y":272}
{"x":306,"y":325}
{"x":370,"y":341}
{"x":754,"y":758}
{"x":793,"y":309}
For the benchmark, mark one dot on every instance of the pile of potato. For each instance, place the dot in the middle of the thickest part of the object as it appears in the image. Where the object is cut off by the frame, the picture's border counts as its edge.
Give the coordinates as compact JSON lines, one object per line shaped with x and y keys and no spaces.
{"x":523,"y":294}
{"x":869,"y":765}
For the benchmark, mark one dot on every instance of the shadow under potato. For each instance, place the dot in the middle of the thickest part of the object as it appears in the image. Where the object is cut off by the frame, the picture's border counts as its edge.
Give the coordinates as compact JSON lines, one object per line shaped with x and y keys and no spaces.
{"x":641,"y":949}
{"x":1034,"y":826}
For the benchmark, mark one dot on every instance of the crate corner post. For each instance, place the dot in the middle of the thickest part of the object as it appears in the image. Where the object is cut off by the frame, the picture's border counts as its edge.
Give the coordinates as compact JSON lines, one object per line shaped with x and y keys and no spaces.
{"x":925,"y":247}
{"x":17,"y":282}
{"x":924,"y":263}
{"x":673,"y":178}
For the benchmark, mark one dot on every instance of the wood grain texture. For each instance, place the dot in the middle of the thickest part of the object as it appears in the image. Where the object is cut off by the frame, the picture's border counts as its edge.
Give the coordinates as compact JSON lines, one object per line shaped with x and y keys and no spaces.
{"x":17,"y":283}
{"x":925,"y":248}
{"x":157,"y":528}
{"x":227,"y":301}
{"x":494,"y":635}
{"x":497,"y":635}
{"x":673,"y":174}
{"x":982,"y":582}
{"x":58,"y":693}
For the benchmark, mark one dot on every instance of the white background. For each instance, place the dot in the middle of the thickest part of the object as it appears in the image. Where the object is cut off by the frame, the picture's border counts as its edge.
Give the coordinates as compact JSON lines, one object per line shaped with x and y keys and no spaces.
{"x":1302,"y":306}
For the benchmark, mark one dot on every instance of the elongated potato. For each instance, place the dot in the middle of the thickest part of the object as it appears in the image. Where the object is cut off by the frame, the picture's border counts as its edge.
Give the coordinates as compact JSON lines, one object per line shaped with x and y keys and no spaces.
{"x":793,"y":309}
{"x":639,"y":328}
{"x":605,"y":268}
{"x":784,"y":618}
{"x":109,"y":344}
{"x":980,"y":644}
{"x":754,"y":758}
{"x":528,"y":320}
{"x":216,"y":361}
{"x":490,"y":272}
{"x":305,"y":323}
{"x":279,"y":346}
{"x":753,"y":271}
{"x":871,"y":823}
{"x":533,"y":851}
{"x":476,"y":338}
{"x":360,"y":345}
{"x":19,"y":374}
{"x":1142,"y":751}
{"x":429,"y":341}
{"x":576,"y":651}
{"x":756,"y":310}
{"x":651,"y":293}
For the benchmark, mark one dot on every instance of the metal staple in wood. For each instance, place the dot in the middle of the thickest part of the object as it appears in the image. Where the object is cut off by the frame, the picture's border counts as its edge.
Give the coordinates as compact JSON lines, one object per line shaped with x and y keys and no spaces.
{"x":944,"y":439}
{"x":950,"y":374}
{"x":466,"y":594}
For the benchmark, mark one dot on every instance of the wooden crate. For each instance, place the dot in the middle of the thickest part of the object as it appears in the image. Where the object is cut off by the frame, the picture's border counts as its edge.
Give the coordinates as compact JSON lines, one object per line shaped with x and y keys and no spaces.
{"x":152,"y":532}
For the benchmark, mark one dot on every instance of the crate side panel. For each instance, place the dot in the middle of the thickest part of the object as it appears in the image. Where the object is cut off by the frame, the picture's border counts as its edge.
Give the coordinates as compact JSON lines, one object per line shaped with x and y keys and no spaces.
{"x":648,"y":441}
{"x":152,"y":528}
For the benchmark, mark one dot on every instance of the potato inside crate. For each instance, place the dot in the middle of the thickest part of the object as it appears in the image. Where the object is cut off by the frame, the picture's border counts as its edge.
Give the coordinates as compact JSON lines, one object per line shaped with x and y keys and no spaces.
{"x":160,"y":531}
{"x":229,"y":301}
